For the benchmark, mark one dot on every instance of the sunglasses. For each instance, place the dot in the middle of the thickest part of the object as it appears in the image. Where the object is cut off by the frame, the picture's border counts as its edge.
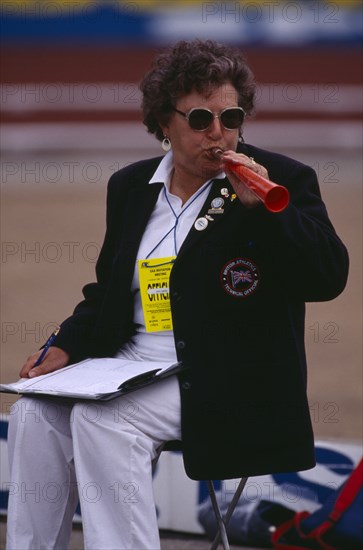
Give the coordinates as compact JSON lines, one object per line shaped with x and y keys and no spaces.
{"x":200,"y":119}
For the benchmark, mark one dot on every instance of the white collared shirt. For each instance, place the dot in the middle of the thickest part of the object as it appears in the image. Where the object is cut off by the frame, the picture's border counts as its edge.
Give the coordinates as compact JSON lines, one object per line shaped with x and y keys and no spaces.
{"x":168,"y":210}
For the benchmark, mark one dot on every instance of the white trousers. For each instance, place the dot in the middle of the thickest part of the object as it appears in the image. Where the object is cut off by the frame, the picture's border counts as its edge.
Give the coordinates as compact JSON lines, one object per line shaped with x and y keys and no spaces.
{"x":99,"y":453}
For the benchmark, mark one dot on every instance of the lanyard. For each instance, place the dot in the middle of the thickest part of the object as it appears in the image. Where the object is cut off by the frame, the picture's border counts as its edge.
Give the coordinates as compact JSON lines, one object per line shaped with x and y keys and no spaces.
{"x":177,"y":218}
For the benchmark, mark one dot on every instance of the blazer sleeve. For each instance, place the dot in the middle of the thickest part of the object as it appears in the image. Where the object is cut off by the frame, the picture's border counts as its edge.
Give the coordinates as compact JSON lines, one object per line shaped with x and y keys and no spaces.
{"x":75,"y":333}
{"x":309,"y":258}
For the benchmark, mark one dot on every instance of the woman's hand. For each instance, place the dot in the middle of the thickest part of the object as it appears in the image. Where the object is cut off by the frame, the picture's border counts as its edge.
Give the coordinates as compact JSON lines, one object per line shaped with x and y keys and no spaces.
{"x":54,"y":359}
{"x":245,"y":195}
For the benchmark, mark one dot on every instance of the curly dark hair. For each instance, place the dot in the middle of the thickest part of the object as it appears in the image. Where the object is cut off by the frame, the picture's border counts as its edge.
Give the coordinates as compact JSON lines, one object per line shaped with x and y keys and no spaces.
{"x":201,"y":65}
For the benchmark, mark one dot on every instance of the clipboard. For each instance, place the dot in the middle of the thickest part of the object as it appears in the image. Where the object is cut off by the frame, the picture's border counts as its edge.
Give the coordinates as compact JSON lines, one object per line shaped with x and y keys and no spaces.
{"x":99,"y":379}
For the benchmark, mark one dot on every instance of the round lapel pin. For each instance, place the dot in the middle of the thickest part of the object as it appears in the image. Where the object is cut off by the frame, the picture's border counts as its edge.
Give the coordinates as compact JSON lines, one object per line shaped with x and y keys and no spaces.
{"x":217,"y":203}
{"x":201,"y":224}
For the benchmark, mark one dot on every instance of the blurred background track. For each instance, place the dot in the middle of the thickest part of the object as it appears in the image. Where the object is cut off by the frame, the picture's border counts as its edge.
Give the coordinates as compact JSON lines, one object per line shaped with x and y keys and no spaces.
{"x":53,"y":95}
{"x":70,"y":69}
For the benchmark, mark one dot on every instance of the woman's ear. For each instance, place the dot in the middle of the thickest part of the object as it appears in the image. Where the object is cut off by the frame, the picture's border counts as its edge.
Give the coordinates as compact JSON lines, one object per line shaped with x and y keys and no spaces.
{"x":164,"y":129}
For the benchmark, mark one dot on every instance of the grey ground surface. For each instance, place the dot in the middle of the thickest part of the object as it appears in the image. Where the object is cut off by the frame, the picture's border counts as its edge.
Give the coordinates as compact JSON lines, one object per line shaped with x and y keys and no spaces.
{"x":169,"y":540}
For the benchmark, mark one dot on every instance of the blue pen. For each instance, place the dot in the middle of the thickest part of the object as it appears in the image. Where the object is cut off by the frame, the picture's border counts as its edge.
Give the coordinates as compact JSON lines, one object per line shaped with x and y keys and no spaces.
{"x":48,"y":343}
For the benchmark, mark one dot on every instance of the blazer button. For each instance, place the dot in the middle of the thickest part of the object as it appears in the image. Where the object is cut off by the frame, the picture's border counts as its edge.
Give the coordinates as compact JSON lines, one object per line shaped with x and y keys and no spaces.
{"x":186,"y":385}
{"x":181,"y":344}
{"x":176,"y":296}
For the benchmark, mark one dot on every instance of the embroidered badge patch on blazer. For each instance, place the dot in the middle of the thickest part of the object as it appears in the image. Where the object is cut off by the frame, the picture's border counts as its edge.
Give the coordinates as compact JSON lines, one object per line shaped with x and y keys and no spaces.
{"x":240,"y":277}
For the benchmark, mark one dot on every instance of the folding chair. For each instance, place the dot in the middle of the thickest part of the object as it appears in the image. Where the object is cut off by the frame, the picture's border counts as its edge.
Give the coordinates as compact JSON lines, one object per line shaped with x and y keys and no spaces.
{"x":222,"y":522}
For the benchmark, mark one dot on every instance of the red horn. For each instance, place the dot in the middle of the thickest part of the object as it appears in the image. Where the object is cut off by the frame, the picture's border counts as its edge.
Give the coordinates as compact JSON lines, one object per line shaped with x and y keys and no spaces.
{"x":275,"y":197}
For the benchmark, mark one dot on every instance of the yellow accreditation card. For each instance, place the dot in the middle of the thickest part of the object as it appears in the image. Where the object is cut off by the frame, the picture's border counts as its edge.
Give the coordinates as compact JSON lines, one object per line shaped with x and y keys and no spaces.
{"x":154,"y":275}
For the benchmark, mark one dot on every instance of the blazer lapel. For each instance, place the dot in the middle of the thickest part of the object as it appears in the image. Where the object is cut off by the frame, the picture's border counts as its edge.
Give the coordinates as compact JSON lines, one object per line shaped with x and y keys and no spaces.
{"x":142,"y":199}
{"x":211,"y":214}
{"x":140,"y":203}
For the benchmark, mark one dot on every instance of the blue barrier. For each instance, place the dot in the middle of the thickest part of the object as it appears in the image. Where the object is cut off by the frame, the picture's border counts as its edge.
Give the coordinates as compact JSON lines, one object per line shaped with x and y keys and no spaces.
{"x":149,"y":22}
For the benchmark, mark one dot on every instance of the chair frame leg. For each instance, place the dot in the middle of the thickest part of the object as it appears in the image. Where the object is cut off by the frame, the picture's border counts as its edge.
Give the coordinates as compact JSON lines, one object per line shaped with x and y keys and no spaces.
{"x":221,"y":536}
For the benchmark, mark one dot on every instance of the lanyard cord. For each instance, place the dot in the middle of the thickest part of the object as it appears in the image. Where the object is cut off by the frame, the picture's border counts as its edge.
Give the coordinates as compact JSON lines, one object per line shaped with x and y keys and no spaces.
{"x":177,"y":217}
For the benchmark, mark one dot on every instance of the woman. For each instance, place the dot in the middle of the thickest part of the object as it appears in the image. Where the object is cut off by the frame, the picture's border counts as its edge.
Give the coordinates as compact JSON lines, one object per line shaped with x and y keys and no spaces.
{"x":238,"y":278}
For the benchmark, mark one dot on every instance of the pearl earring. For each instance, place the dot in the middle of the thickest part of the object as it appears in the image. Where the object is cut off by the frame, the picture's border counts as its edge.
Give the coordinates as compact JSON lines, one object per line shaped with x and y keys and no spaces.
{"x":166,"y":144}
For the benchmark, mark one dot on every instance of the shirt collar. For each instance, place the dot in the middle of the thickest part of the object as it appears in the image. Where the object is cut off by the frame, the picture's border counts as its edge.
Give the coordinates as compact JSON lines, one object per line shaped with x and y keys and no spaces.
{"x":165,"y":169}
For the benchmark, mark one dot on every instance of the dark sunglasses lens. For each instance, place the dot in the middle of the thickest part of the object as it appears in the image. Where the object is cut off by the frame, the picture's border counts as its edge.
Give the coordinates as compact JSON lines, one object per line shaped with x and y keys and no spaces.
{"x":232,"y":118}
{"x":200,"y":119}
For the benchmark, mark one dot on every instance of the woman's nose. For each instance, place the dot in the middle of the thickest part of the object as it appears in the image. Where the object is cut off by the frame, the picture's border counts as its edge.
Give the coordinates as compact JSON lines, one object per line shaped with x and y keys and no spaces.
{"x":216,"y":128}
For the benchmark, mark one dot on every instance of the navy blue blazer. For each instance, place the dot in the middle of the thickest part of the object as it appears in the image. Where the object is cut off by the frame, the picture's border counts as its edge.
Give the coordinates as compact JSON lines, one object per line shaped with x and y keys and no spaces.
{"x":238,"y":290}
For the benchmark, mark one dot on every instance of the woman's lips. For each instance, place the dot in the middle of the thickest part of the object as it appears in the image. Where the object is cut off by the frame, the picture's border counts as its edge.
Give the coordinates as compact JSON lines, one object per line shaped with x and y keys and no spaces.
{"x":215,"y":153}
